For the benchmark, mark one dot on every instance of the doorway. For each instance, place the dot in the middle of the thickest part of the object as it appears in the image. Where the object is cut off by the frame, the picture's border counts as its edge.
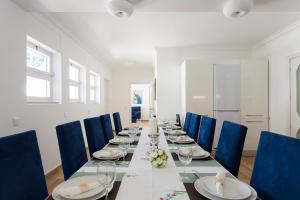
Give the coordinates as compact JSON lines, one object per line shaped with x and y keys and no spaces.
{"x":295,"y":96}
{"x":140,"y":102}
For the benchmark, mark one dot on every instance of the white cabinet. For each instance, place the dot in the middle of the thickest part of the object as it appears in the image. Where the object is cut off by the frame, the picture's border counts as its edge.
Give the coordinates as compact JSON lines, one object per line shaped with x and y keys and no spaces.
{"x":254,"y":88}
{"x":197,"y":87}
{"x":255,"y":126}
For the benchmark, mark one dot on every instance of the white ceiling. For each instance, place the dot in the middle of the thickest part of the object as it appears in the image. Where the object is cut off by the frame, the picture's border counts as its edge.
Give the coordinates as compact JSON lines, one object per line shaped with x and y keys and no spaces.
{"x":164,"y":23}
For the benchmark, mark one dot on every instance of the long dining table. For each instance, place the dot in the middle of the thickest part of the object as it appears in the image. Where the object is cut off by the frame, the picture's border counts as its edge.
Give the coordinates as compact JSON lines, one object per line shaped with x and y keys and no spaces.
{"x":137,"y":179}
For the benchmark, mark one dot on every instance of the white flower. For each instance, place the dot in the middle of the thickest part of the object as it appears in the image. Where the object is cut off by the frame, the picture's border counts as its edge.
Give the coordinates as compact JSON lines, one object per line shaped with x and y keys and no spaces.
{"x":160,"y":152}
{"x":154,"y":154}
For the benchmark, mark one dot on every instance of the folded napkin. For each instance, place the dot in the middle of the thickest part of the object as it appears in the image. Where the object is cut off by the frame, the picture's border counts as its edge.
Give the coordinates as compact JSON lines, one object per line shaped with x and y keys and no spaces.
{"x":73,"y":191}
{"x":183,"y":138}
{"x":198,"y":152}
{"x":220,"y":178}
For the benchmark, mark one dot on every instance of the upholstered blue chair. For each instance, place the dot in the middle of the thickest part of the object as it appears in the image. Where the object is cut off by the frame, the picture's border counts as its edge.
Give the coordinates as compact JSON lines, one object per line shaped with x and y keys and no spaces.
{"x":21,"y":169}
{"x":230,"y":146}
{"x":107,"y":127}
{"x":94,"y":134}
{"x":71,"y":147}
{"x":187,"y":120}
{"x":276,"y":171}
{"x":206,"y":133}
{"x":194,"y":126}
{"x":135,"y":113}
{"x":117,"y":122}
{"x":178,"y":121}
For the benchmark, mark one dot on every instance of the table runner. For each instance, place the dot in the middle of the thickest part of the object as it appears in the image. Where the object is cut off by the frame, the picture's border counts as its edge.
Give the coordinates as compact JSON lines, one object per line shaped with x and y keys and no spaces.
{"x":137,"y":179}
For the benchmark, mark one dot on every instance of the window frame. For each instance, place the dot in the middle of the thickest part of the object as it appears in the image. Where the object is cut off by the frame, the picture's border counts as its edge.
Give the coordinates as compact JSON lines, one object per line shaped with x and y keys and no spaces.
{"x":79,"y":84}
{"x":95,"y":88}
{"x":39,"y":74}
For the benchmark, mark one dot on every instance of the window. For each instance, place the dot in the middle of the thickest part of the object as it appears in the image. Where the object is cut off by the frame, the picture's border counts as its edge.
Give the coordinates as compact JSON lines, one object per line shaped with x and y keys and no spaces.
{"x":76,"y":82}
{"x":94,"y":87}
{"x":39,"y":80}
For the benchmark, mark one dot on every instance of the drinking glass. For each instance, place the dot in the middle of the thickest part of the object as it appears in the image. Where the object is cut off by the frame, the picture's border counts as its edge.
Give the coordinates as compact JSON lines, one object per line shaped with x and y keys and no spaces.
{"x":185,"y":155}
{"x":106,"y":173}
{"x":124,"y":147}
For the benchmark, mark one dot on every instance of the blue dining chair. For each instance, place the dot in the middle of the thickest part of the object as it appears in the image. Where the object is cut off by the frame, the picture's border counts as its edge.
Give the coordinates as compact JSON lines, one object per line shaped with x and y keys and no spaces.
{"x":94,"y":134}
{"x":276,"y":171}
{"x":107,"y":127}
{"x":117,"y":122}
{"x":230,"y":146}
{"x":206,"y":133}
{"x":187,"y":121}
{"x":21,"y":169}
{"x":194,"y":126}
{"x":71,"y":146}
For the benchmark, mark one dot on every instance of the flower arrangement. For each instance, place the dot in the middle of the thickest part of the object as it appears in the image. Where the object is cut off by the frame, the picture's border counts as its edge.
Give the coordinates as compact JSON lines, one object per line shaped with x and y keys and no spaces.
{"x":158,"y":158}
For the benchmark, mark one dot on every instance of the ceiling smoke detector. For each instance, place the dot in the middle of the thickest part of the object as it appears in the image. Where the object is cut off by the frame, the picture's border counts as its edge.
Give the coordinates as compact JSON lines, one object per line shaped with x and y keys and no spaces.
{"x":237,"y":8}
{"x":119,"y":8}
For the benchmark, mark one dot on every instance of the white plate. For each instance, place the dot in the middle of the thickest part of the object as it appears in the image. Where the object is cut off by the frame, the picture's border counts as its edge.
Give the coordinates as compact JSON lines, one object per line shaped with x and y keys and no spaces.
{"x":89,"y":195}
{"x":232,"y":188}
{"x":125,"y":133}
{"x":121,"y":140}
{"x":199,"y":186}
{"x":103,"y":154}
{"x":176,"y":132}
{"x":186,"y":140}
{"x":200,"y":154}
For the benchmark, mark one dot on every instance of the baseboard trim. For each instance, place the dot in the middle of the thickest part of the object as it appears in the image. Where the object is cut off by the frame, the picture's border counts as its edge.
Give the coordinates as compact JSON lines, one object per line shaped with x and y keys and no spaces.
{"x":54,"y":171}
{"x":249,"y":153}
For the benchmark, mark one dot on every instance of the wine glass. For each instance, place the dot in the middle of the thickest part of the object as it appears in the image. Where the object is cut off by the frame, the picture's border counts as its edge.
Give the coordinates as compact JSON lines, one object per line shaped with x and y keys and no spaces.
{"x":106,"y":174}
{"x":185,"y":155}
{"x":124,"y":147}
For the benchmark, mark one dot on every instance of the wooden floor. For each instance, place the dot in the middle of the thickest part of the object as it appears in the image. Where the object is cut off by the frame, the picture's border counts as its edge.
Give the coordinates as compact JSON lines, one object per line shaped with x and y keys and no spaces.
{"x":56,"y":176}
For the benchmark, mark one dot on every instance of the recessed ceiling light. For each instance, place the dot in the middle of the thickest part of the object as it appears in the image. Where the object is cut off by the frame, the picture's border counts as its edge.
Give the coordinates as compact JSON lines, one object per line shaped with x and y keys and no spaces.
{"x":119,"y":8}
{"x":237,"y":8}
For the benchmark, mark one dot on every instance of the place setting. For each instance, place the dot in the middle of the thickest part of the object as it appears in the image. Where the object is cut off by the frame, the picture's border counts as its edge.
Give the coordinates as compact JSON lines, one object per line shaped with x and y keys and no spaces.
{"x":89,"y":187}
{"x":196,"y":153}
{"x":222,"y":187}
{"x":183,"y":139}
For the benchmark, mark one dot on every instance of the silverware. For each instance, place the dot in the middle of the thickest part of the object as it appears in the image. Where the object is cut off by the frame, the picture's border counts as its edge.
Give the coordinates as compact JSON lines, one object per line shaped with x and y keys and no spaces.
{"x":196,"y":173}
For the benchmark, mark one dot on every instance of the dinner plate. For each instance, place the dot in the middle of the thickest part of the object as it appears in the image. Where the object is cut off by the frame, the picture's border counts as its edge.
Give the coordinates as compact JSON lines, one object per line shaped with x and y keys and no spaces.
{"x":89,"y":195}
{"x":125,"y":133}
{"x":176,"y":132}
{"x":199,"y":186}
{"x":199,"y":153}
{"x":186,"y":140}
{"x":121,"y":140}
{"x":104,"y":154}
{"x":233,"y":189}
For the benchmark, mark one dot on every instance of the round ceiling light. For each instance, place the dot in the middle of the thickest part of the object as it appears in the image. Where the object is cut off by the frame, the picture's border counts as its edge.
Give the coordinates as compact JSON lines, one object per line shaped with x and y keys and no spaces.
{"x":119,"y":8}
{"x":237,"y":8}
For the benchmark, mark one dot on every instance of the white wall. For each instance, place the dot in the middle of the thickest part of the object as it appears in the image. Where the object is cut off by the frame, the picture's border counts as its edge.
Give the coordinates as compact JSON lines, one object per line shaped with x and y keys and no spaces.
{"x":122,"y":78}
{"x":168,"y":70}
{"x":15,"y":25}
{"x":278,"y":48}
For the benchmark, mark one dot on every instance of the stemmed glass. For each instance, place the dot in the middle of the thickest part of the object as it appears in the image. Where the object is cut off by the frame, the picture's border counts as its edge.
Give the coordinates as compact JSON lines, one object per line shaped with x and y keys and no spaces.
{"x":185,"y":155}
{"x":106,"y":174}
{"x":124,"y":147}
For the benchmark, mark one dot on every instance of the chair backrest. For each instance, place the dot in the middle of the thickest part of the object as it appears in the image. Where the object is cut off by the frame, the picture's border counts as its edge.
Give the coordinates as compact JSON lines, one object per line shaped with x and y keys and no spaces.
{"x":276,"y":171}
{"x":94,"y":134}
{"x":117,"y":122}
{"x":21,"y":169}
{"x":107,"y":127}
{"x":71,"y":147}
{"x":230,"y":146}
{"x":194,"y":126}
{"x":187,"y":120}
{"x":178,"y":121}
{"x":206,"y":133}
{"x":135,"y":113}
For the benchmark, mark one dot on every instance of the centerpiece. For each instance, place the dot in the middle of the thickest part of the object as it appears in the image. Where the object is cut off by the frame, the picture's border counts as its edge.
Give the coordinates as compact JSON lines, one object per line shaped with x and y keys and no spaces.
{"x":158,"y":158}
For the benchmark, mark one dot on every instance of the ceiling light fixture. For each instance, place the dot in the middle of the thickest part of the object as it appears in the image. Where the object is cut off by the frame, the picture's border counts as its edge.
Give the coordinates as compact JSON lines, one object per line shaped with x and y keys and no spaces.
{"x":119,"y":8}
{"x":237,"y":8}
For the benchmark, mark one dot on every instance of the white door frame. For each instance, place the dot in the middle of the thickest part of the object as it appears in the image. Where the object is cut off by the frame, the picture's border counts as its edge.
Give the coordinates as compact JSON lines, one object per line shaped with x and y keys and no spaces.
{"x":290,"y":58}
